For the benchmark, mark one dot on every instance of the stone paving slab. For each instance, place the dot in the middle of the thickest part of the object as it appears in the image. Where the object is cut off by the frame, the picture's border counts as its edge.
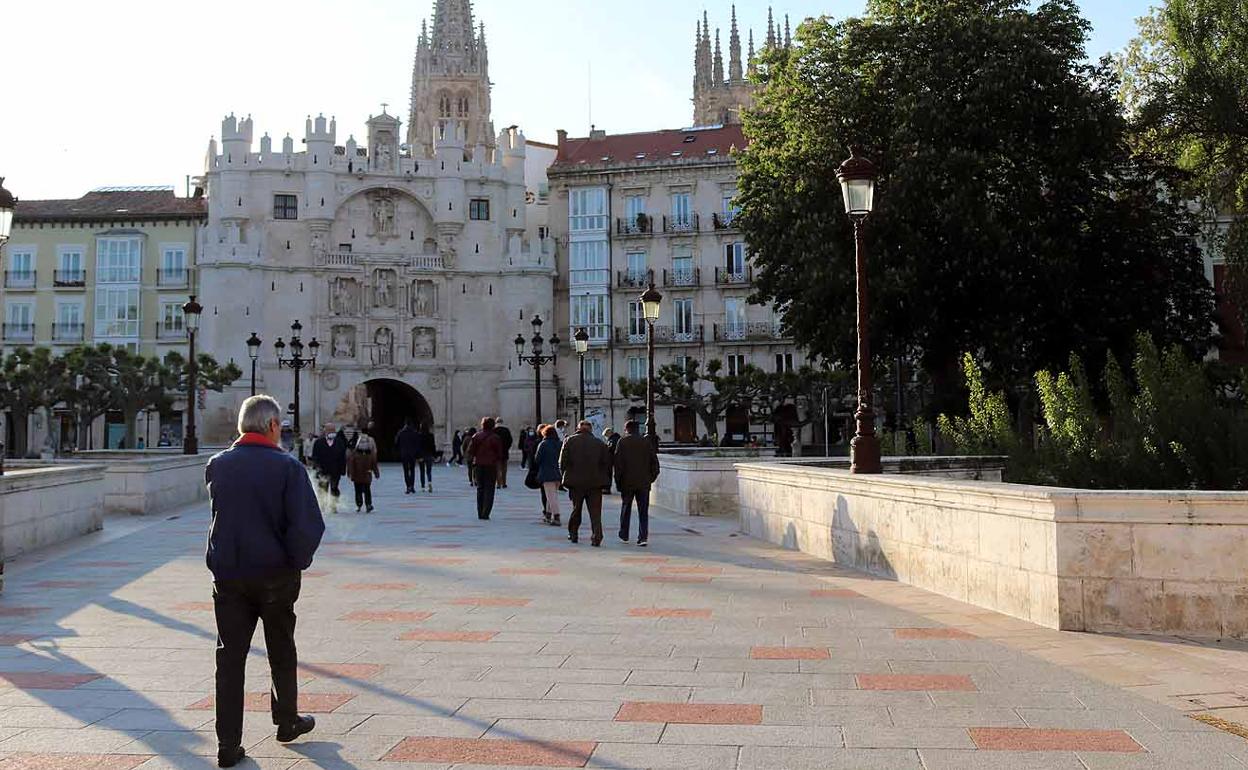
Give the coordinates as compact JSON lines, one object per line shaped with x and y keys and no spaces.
{"x":432,"y":640}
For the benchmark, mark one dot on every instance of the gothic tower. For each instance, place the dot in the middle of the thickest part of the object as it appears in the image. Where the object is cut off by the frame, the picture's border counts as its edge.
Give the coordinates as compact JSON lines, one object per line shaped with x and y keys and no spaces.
{"x":450,"y":79}
{"x":718,"y":99}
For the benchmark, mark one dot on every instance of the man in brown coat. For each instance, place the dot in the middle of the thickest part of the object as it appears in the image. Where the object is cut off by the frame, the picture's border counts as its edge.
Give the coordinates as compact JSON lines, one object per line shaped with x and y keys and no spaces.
{"x":487,"y":453}
{"x":636,"y":468}
{"x":586,"y":466}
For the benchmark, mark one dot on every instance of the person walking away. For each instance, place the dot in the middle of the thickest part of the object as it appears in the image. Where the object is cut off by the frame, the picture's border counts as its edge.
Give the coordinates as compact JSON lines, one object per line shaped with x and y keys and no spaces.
{"x":407,"y":443}
{"x":472,"y":466}
{"x":586,"y":466}
{"x":265,"y":529}
{"x":329,"y":455}
{"x":528,"y":445}
{"x":610,"y":438}
{"x":457,"y":449}
{"x":427,"y":449}
{"x":361,"y":468}
{"x":562,"y":427}
{"x":548,"y":476}
{"x":504,"y":433}
{"x":636,"y":468}
{"x":486,"y":451}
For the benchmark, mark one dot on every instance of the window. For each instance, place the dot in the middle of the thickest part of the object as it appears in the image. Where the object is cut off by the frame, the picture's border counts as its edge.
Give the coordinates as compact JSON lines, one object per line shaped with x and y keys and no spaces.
{"x":734,"y":311}
{"x":116,"y":312}
{"x":285,"y":206}
{"x":636,"y":320}
{"x":68,"y":322}
{"x":118,"y":260}
{"x":729,"y":209}
{"x":21,"y":267}
{"x":587,"y":209}
{"x":69,"y":264}
{"x":593,"y":375}
{"x":734,"y":259}
{"x":682,"y":209}
{"x":636,"y":267}
{"x":682,"y":309}
{"x":479,"y":209}
{"x":590,"y":312}
{"x":634,"y":205}
{"x":173,"y":266}
{"x":589,"y":263}
{"x":736,"y":365}
{"x":682,"y":268}
{"x":636,"y":368}
{"x":171,"y":319}
{"x":683,"y":363}
{"x":784,"y":363}
{"x":19,"y":321}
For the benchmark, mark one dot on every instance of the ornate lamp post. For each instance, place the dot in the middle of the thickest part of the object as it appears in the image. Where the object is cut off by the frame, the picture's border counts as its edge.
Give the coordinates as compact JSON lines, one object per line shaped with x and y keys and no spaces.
{"x":581,"y":339}
{"x":296,"y":362}
{"x":191,"y":312}
{"x":651,"y":306}
{"x":538,"y":359}
{"x":253,"y":350}
{"x":857,"y":176}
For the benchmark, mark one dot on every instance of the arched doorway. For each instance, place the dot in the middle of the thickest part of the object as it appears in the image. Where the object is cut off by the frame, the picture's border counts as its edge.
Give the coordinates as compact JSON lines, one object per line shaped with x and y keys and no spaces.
{"x":381,"y":407}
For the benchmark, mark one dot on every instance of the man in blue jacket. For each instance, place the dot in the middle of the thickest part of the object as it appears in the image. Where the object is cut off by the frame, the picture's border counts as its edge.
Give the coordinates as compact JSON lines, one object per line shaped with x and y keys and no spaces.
{"x":266,"y":526}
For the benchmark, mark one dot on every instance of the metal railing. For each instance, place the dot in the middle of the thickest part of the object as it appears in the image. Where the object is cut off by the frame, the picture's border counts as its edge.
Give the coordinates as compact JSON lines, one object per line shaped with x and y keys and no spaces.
{"x":639,"y":225}
{"x":688,"y":277}
{"x":599,"y":334}
{"x":663,"y":335}
{"x":69,"y":278}
{"x":631,"y":279}
{"x":170,"y":333}
{"x":19,"y":279}
{"x":750,"y":332}
{"x":688,"y":224}
{"x":593,"y":387}
{"x":18,"y":332}
{"x":68,"y":332}
{"x":173,"y":278}
{"x":724,"y":221}
{"x":726,"y":277}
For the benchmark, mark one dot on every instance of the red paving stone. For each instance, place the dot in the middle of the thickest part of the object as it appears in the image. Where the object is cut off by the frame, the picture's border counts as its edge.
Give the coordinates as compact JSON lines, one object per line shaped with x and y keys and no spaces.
{"x":491,"y":601}
{"x":448,"y":636}
{"x":194,"y":607}
{"x":915,"y":682}
{"x":1034,"y":739}
{"x":644,"y":559}
{"x":680,"y":579}
{"x":667,"y":612}
{"x":315,"y":573}
{"x":339,"y":671}
{"x":447,"y":546}
{"x":789,"y":653}
{"x":691,"y":570}
{"x":691,"y":713}
{"x":834,"y":593}
{"x":76,"y":761}
{"x":387,"y":616}
{"x":447,"y":560}
{"x":20,"y":612}
{"x":30,"y":680}
{"x":932,"y":633}
{"x":313,"y":702}
{"x":478,"y":751}
{"x":533,"y":571}
{"x":545,"y":550}
{"x":378,"y":587}
{"x":65,"y":584}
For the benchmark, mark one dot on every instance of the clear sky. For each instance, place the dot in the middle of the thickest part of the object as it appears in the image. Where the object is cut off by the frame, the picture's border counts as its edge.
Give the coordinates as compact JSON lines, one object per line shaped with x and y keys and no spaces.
{"x":128,"y":92}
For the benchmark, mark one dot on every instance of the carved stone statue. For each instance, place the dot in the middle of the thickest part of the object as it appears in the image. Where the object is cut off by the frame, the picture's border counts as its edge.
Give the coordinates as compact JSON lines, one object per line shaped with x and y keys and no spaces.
{"x":384,"y":290}
{"x":424,"y":299}
{"x":343,"y":342}
{"x":383,"y":210}
{"x":424,"y":342}
{"x":318,"y":243}
{"x":384,"y":157}
{"x":344,"y":293}
{"x":383,"y":340}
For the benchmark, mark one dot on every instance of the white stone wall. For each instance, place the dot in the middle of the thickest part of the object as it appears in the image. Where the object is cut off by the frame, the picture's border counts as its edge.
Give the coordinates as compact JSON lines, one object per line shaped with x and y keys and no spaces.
{"x":43,"y":506}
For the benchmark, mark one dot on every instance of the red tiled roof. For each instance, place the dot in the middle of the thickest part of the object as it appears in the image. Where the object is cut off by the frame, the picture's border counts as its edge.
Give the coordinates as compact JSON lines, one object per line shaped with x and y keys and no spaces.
{"x":652,"y":147}
{"x":110,"y":205}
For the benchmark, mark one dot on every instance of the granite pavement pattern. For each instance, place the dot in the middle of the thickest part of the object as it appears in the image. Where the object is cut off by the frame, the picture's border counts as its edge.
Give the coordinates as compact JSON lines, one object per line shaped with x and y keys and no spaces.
{"x":432,"y":640}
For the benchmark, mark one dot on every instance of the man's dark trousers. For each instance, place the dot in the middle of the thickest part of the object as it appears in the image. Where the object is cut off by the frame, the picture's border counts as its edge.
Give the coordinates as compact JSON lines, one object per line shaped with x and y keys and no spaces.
{"x":487,"y":477}
{"x":239,"y":604}
{"x":426,"y":471}
{"x":592,"y":498}
{"x":409,"y":474}
{"x":642,"y":496}
{"x":333,"y":484}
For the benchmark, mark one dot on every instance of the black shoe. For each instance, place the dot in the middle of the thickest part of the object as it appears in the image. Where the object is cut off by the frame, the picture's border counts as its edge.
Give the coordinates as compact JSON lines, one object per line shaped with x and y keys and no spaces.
{"x":596,"y":543}
{"x":303,"y":725}
{"x":572,"y":537}
{"x":230,"y":757}
{"x":642,"y":543}
{"x":623,"y":538}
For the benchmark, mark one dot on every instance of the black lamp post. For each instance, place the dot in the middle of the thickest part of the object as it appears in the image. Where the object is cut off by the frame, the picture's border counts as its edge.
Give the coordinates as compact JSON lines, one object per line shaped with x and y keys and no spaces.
{"x":857,"y":176}
{"x":581,"y":339}
{"x":651,"y":306}
{"x":296,"y":362}
{"x":538,"y":359}
{"x":191,"y":312}
{"x":253,"y":350}
{"x":7,"y":203}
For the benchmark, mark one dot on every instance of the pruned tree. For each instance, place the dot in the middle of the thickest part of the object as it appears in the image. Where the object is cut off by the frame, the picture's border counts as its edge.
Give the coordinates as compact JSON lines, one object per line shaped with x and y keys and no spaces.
{"x":708,"y":394}
{"x":30,"y":379}
{"x":89,"y":390}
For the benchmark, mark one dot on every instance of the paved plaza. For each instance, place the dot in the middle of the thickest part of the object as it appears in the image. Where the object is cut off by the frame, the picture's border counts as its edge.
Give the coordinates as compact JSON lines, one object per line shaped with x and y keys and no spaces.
{"x":432,"y":640}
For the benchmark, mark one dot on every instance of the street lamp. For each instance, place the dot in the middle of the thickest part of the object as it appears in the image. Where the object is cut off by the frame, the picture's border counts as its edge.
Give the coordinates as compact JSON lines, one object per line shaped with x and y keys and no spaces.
{"x":191,"y":312}
{"x":537,"y":360}
{"x":857,"y":176}
{"x":253,"y":350}
{"x":7,"y":204}
{"x":651,"y":306}
{"x":296,"y":362}
{"x":581,"y":339}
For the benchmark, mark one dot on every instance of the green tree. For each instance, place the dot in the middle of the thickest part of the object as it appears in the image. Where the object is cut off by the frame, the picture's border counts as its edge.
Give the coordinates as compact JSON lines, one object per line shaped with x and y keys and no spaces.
{"x":30,"y":379}
{"x":210,"y":375}
{"x":89,"y":390}
{"x":1185,"y":87}
{"x":138,"y":383}
{"x":1011,"y":217}
{"x":707,"y":393}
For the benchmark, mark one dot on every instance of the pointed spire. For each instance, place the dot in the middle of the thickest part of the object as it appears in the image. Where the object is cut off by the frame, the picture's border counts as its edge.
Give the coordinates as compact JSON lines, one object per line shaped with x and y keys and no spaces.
{"x":771,"y":28}
{"x":697,"y":58}
{"x":719,"y":61}
{"x":750,"y":60}
{"x":788,"y":39}
{"x":734,"y":49}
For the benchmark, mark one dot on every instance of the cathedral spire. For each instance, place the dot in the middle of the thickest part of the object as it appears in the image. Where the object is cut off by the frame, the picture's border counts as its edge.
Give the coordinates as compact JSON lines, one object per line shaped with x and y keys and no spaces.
{"x":697,"y":58}
{"x":734,"y":49}
{"x":788,"y":39}
{"x":719,"y":61}
{"x":453,"y":30}
{"x":771,"y":28}
{"x":751,"y":56}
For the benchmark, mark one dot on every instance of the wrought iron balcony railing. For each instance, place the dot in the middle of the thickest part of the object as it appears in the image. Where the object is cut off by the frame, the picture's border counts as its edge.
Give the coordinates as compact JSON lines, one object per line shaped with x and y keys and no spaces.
{"x":19,"y":279}
{"x":684,"y":278}
{"x":69,"y":279}
{"x":726,"y":277}
{"x":663,"y":335}
{"x":681,"y":224}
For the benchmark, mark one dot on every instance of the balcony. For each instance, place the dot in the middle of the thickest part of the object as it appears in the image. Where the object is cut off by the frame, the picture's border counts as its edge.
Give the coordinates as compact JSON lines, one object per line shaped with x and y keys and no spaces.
{"x":589,"y":277}
{"x":686,"y":278}
{"x":724,"y":221}
{"x":678,"y":225}
{"x":726,"y":277}
{"x":69,"y":279}
{"x":750,"y":332}
{"x":599,"y":334}
{"x":663,"y":335}
{"x":173,"y":279}
{"x":642,"y":224}
{"x":630,"y":279}
{"x":19,"y":279}
{"x":68,"y":333}
{"x":18,"y":332}
{"x":166,"y":333}
{"x":358,"y":260}
{"x":593,"y":387}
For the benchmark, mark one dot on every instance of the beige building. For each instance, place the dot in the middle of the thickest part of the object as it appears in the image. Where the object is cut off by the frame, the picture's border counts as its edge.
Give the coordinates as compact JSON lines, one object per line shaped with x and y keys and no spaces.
{"x":632,"y":208}
{"x":112,"y":266}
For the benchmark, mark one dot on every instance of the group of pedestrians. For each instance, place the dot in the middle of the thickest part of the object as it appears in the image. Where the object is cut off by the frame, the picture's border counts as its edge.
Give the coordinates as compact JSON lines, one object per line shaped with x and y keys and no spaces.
{"x":337,"y":453}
